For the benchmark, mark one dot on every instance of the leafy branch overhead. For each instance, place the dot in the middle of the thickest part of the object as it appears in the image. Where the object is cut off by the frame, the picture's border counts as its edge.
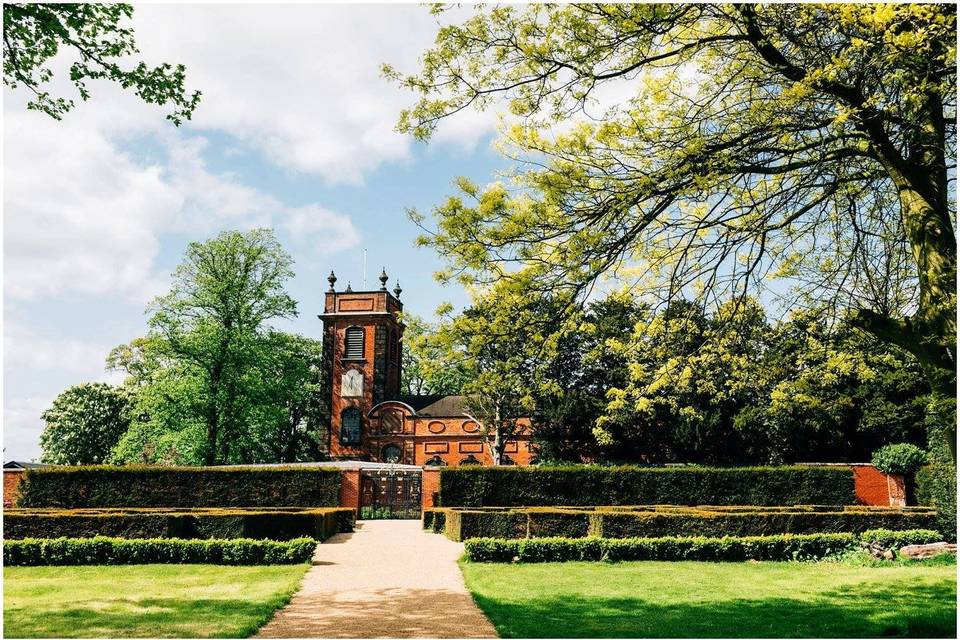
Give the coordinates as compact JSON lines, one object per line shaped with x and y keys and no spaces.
{"x":709,"y":149}
{"x":34,"y":34}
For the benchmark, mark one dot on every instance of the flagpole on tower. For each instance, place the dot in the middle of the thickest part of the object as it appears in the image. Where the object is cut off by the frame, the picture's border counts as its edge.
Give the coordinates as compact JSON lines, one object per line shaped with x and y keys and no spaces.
{"x":364,"y":269}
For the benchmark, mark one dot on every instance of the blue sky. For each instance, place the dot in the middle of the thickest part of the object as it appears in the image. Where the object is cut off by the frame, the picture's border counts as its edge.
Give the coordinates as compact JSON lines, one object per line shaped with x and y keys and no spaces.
{"x":294,"y":132}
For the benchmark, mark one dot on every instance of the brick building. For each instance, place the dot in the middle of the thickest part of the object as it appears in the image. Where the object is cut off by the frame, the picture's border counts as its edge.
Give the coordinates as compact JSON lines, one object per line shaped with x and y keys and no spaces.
{"x":369,"y":418}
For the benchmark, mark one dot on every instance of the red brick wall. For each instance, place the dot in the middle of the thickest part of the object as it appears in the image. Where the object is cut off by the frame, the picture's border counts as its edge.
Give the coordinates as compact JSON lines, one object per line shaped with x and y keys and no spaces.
{"x":430,"y":487}
{"x":350,"y":489}
{"x":876,"y":488}
{"x":11,"y":480}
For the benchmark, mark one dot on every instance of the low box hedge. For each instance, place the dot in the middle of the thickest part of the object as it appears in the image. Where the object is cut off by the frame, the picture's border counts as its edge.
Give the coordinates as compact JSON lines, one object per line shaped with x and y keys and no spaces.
{"x":31,"y":552}
{"x":665,"y":521}
{"x":780,"y":547}
{"x":589,"y":485}
{"x":144,"y":486}
{"x":434,"y":519}
{"x":273,"y":524}
{"x":897,"y":539}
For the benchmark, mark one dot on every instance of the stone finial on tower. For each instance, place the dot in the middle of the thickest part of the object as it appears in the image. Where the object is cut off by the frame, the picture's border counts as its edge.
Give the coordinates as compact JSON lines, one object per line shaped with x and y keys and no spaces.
{"x":397,"y":290}
{"x":349,"y":289}
{"x":383,"y":279}
{"x":332,"y":279}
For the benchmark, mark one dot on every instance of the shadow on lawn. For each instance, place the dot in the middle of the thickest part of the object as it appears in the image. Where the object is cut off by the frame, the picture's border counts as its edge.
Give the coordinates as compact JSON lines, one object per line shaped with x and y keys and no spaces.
{"x":922,"y":611}
{"x":148,"y":617}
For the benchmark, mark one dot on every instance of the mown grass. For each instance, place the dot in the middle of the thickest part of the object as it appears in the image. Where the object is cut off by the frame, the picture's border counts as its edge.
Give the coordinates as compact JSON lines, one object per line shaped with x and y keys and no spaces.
{"x":705,"y":599}
{"x":154,"y":600}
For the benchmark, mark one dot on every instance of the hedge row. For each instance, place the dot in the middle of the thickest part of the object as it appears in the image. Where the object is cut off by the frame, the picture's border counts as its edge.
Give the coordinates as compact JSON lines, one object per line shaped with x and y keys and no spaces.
{"x":585,"y":485}
{"x":896,"y":539}
{"x":780,"y":547}
{"x":937,"y":487}
{"x":77,"y":551}
{"x":135,"y":486}
{"x":460,"y":525}
{"x":273,"y":524}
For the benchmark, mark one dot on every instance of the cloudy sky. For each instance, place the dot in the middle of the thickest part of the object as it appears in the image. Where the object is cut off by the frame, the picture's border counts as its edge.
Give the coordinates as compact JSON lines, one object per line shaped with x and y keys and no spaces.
{"x":295,"y":132}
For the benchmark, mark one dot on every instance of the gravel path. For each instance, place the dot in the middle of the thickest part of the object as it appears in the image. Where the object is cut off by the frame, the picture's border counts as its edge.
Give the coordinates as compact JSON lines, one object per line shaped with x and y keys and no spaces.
{"x":390,"y":579}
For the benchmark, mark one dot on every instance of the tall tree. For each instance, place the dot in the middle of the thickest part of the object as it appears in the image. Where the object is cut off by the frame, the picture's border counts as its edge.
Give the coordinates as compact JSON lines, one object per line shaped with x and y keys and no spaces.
{"x":425,"y":370}
{"x":734,"y":143}
{"x":97,"y":34}
{"x":84,"y":423}
{"x":215,"y":315}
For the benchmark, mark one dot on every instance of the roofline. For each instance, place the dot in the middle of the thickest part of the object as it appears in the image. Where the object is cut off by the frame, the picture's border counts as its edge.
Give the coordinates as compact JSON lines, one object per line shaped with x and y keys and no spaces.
{"x":414,"y":411}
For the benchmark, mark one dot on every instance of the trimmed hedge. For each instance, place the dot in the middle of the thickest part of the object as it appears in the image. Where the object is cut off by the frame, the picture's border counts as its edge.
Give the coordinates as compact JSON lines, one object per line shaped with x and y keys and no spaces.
{"x":586,"y":485}
{"x":782,"y":547}
{"x":434,"y":519}
{"x":32,"y":552}
{"x":937,"y":487}
{"x":143,"y":486}
{"x":666,"y":521}
{"x":273,"y":524}
{"x":897,"y":539}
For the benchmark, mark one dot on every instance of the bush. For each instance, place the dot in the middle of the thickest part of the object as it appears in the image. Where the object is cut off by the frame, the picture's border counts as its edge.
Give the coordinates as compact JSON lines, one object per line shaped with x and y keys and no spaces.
{"x":434,"y":519}
{"x":896,"y":539}
{"x":780,"y":547}
{"x":273,"y":524}
{"x":665,"y":521}
{"x":937,"y":487}
{"x":131,"y":486}
{"x":903,"y":459}
{"x":100,"y":550}
{"x":592,"y":485}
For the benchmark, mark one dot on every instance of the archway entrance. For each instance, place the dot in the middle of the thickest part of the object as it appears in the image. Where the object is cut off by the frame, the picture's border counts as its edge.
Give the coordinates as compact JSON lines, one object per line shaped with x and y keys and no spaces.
{"x":390,"y":493}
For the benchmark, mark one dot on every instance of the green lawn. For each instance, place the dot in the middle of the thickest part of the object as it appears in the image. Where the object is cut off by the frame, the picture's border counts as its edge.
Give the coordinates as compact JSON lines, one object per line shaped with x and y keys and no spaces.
{"x":154,"y":600}
{"x":690,"y":599}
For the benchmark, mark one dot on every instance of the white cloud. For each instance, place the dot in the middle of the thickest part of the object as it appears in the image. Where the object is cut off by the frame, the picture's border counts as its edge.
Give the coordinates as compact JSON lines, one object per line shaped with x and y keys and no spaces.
{"x":82,"y":216}
{"x":302,"y":82}
{"x":22,"y":426}
{"x":25,"y":348}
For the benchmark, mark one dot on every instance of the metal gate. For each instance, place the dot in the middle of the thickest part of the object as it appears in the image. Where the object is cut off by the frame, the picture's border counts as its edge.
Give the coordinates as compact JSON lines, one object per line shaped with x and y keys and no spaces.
{"x":389,"y":493}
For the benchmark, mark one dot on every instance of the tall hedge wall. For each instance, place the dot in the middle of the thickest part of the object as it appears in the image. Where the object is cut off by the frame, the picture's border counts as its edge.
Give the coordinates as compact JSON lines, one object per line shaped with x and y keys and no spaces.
{"x":580,"y":486}
{"x":133,"y":486}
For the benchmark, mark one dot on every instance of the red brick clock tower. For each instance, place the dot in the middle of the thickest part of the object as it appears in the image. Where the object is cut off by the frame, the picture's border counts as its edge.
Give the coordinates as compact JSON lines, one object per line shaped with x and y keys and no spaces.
{"x":362,"y":354}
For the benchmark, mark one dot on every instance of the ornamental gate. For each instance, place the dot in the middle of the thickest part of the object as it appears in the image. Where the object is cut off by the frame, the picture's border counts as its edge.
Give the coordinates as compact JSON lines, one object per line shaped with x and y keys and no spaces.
{"x":390,"y":493}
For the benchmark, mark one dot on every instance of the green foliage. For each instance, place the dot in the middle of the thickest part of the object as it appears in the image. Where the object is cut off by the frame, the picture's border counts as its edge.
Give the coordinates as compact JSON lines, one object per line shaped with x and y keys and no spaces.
{"x":426,"y":368}
{"x":740,"y":147}
{"x":31,"y":552}
{"x":937,"y":482}
{"x":586,"y":485}
{"x":904,"y":459}
{"x":215,"y":383}
{"x":84,"y":423}
{"x":271,"y":524}
{"x":897,"y":539}
{"x":779,"y":547}
{"x":33,"y":34}
{"x":132,"y":486}
{"x":668,"y":520}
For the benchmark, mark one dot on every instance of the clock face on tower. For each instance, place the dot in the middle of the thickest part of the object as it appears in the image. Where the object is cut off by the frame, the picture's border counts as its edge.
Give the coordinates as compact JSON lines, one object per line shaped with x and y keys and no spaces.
{"x":351,"y":384}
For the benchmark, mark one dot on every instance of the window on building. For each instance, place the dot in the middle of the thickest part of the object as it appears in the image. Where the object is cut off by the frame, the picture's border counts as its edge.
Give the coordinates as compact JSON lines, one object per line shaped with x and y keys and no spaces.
{"x":435,"y":461}
{"x":350,"y":426}
{"x":469,"y":460}
{"x":353,"y":344}
{"x":391,"y":453}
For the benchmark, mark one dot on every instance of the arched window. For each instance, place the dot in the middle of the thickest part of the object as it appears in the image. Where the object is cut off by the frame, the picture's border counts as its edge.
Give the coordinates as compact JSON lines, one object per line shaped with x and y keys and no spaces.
{"x":391,"y":453}
{"x":435,"y":461}
{"x":353,"y":344}
{"x":469,"y":460}
{"x":350,"y":426}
